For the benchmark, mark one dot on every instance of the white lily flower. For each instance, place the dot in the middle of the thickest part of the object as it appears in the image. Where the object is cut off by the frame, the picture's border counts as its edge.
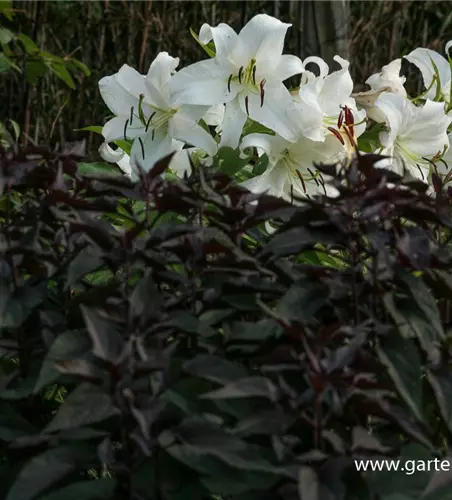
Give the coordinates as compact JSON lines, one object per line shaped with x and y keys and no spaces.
{"x":387,"y":80}
{"x":324,"y":104}
{"x":215,"y":115}
{"x":423,"y":58}
{"x":415,"y":133}
{"x":144,"y":113}
{"x":246,"y":74}
{"x":291,"y":168}
{"x":118,"y":156}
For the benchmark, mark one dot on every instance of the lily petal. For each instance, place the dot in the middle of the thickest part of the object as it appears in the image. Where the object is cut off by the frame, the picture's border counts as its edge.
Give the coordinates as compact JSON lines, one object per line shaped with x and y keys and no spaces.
{"x":184,"y":129}
{"x":336,"y":89}
{"x":422,"y":58}
{"x":389,"y":78}
{"x":152,"y":148}
{"x":232,"y":126}
{"x":204,"y":82}
{"x":274,"y":113}
{"x":321,"y":64}
{"x":119,"y":128}
{"x":273,"y":182}
{"x":116,"y":97}
{"x":162,"y":69}
{"x":226,"y":41}
{"x":215,"y":115}
{"x":288,"y":66}
{"x":263,"y":36}
{"x":397,"y":110}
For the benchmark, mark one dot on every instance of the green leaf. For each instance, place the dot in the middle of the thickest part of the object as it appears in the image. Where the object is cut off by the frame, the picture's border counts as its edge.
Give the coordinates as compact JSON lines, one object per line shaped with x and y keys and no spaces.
{"x":228,"y":161}
{"x":107,"y":340}
{"x":416,"y":312}
{"x":403,"y":364}
{"x":86,"y":261}
{"x":86,"y":405}
{"x":79,"y":65}
{"x":96,"y":489}
{"x":209,"y":48}
{"x":98,"y":168}
{"x":92,"y":128}
{"x":441,"y":383}
{"x":369,"y":140}
{"x":6,"y":64}
{"x":62,"y":72}
{"x":41,"y":472}
{"x":250,"y":387}
{"x":17,"y":306}
{"x":16,"y":128}
{"x":30,"y":47}
{"x":388,"y":484}
{"x":69,"y":345}
{"x":5,"y":35}
{"x":13,"y":425}
{"x":214,"y":368}
{"x":302,"y":301}
{"x":35,"y":70}
{"x":6,"y":8}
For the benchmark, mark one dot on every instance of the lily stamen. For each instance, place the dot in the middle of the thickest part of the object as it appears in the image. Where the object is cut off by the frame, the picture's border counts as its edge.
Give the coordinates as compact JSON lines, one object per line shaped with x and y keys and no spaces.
{"x":350,"y":135}
{"x":261,"y":85}
{"x":125,"y":129}
{"x":246,"y":106}
{"x":149,"y":121}
{"x":140,"y":109}
{"x":337,"y":134}
{"x":340,"y":120}
{"x":302,"y":180}
{"x":142,"y":146}
{"x":229,"y":83}
{"x":131,"y":115}
{"x":240,"y":74}
{"x":254,"y":75}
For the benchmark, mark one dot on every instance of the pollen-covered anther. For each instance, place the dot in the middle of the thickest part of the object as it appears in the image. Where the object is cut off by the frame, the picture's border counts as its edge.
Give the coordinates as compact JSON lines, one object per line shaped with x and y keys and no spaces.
{"x":246,"y":106}
{"x":350,"y":136}
{"x":229,"y":83}
{"x":301,"y":180}
{"x":337,"y":134}
{"x":340,"y":119}
{"x":349,"y":118}
{"x":261,"y":85}
{"x":254,"y":75}
{"x":436,"y":156}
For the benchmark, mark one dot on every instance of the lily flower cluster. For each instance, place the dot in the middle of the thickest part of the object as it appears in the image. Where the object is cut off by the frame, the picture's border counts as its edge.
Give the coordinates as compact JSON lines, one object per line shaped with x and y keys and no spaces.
{"x":237,"y":99}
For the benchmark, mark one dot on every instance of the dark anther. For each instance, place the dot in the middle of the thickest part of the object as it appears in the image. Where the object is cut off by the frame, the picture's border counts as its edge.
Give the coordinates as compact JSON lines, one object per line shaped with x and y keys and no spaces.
{"x":302,"y":180}
{"x":240,"y":74}
{"x":229,"y":83}
{"x":246,"y":106}
{"x":149,"y":121}
{"x":142,"y":146}
{"x":131,"y":116}
{"x":125,"y":129}
{"x":337,"y":134}
{"x":262,"y":92}
{"x":254,"y":75}
{"x":340,"y":120}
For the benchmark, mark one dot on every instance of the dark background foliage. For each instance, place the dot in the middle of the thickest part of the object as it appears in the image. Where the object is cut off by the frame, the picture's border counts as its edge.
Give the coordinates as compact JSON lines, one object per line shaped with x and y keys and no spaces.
{"x":156,"y":344}
{"x":107,"y":34}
